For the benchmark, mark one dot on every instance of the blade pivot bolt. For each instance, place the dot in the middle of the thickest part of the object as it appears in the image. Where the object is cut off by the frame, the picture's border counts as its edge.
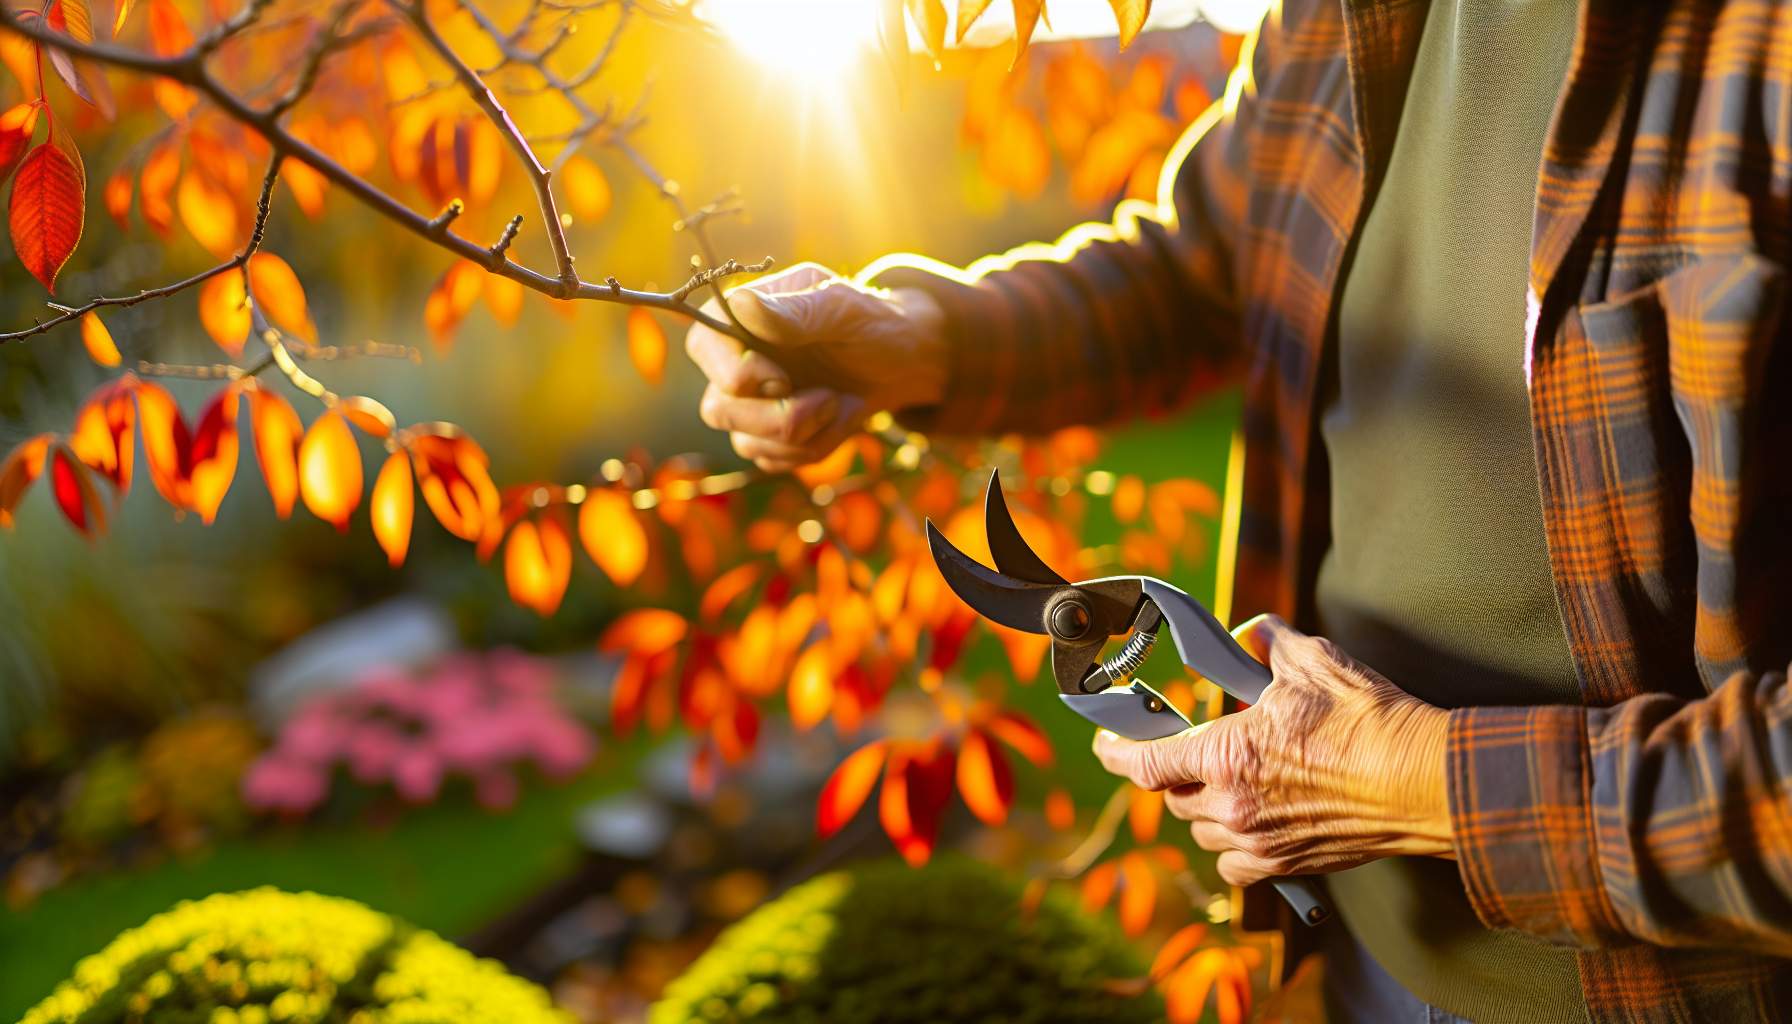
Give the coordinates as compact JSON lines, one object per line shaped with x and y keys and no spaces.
{"x":1070,"y":619}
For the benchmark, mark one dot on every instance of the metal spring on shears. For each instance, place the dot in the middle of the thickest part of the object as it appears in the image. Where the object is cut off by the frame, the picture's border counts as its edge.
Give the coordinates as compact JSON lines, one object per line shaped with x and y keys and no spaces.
{"x":1129,"y":657}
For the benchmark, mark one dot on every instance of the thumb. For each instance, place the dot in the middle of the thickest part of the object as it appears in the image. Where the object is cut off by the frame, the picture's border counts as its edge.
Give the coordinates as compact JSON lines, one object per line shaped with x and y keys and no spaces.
{"x":1260,"y":634}
{"x":778,"y":319}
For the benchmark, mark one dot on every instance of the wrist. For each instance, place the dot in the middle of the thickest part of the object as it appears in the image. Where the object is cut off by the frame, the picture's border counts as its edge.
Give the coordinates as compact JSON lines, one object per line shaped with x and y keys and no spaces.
{"x":1429,"y":780}
{"x":927,"y":333}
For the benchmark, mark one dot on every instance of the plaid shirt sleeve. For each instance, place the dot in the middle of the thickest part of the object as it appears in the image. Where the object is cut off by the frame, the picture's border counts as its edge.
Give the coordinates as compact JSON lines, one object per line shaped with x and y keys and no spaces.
{"x":1131,"y":317}
{"x":1658,"y":819}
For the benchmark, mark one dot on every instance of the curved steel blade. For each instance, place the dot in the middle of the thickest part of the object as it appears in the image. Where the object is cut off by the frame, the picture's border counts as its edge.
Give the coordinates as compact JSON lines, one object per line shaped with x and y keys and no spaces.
{"x":1011,"y":602}
{"x":1006,"y":545}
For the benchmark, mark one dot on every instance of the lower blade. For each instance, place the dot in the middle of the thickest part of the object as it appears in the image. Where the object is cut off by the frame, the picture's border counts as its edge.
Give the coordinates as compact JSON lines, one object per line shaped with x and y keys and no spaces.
{"x":1134,"y":711}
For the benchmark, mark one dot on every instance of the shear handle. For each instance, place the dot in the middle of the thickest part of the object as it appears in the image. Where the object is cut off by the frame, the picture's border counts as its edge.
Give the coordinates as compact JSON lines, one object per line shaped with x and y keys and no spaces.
{"x":1205,"y":645}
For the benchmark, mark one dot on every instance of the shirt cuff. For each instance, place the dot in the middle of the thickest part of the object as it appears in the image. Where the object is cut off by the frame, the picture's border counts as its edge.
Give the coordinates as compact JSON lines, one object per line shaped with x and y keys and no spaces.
{"x":1521,"y":814}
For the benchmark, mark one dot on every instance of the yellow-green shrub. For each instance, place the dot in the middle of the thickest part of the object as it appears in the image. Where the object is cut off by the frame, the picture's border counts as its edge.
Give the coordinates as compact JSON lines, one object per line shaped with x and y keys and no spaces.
{"x":269,"y":956}
{"x":887,"y":944}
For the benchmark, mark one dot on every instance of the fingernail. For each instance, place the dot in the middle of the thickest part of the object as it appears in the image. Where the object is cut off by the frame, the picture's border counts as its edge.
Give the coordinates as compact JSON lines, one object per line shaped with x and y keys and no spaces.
{"x":776,"y":387}
{"x":1102,"y":738}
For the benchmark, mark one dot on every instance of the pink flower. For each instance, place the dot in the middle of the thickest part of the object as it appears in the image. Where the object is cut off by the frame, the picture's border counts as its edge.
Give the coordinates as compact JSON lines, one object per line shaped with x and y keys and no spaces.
{"x":277,"y":783}
{"x":417,"y":775}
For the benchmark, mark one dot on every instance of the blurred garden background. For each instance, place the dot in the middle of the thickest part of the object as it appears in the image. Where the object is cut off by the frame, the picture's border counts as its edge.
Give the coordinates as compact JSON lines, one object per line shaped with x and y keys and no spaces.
{"x":583,"y":784}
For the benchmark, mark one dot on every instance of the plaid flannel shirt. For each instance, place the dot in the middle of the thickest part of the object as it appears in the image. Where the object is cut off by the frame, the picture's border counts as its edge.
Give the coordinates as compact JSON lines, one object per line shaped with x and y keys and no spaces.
{"x":1651,"y":825}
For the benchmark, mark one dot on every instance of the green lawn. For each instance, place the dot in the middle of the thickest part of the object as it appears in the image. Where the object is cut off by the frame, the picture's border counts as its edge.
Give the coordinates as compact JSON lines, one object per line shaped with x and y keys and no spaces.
{"x":453,"y":867}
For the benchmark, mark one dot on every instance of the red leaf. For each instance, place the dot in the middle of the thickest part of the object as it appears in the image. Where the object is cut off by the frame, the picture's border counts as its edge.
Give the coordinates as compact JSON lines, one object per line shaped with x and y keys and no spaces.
{"x":104,"y":430}
{"x":48,"y":206}
{"x":917,"y":784}
{"x":847,"y":788}
{"x":213,"y":454}
{"x":75,"y":494}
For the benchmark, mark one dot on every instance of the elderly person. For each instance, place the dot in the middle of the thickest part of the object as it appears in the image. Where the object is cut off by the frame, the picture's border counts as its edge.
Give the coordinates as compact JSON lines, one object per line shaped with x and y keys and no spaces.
{"x":1502,"y":282}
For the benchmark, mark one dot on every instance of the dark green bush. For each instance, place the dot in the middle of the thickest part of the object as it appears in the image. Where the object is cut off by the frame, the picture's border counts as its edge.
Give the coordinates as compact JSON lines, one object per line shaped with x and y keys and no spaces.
{"x":887,"y":944}
{"x":264,"y":956}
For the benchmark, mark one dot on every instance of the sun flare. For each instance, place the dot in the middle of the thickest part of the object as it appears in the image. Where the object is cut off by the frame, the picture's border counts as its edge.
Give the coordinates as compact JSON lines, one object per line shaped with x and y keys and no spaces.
{"x":810,"y":40}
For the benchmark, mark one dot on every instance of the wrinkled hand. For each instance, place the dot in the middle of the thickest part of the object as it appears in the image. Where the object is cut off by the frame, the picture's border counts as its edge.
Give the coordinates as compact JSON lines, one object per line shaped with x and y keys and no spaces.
{"x":1335,"y":767}
{"x":836,"y":352}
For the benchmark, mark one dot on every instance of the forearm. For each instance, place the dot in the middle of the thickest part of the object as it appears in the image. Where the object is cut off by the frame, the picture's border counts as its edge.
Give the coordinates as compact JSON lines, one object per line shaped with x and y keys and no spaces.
{"x":1115,"y":320}
{"x":1657,"y":820}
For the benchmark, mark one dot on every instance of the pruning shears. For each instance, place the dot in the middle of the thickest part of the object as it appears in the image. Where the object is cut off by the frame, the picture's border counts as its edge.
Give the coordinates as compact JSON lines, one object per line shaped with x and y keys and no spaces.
{"x":1024,"y":593}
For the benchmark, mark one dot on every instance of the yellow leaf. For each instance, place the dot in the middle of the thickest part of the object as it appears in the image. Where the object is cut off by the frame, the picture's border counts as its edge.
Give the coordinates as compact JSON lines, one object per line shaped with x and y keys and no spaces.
{"x":968,"y":12}
{"x":613,"y":536}
{"x":280,"y":295}
{"x":1026,"y":16}
{"x":224,"y":311}
{"x":647,"y":345}
{"x":930,"y":17}
{"x":160,"y":171}
{"x":330,"y":470}
{"x":587,"y":190}
{"x":208,"y":213}
{"x":1131,"y":15}
{"x":98,"y":340}
{"x":393,"y":507}
{"x":812,"y":687}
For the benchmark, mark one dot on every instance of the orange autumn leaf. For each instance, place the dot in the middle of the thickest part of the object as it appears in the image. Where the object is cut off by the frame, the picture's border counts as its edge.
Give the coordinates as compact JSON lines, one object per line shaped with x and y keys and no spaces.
{"x":538,"y":563}
{"x":1144,"y":812}
{"x":213,"y":455}
{"x":23,"y":465}
{"x":1018,"y":156}
{"x":450,"y":300}
{"x":1129,"y":499}
{"x":1098,"y":886}
{"x":587,"y":190}
{"x":644,"y":632}
{"x":504,"y":297}
{"x":277,"y":436}
{"x":156,"y":182}
{"x":1019,"y":732}
{"x":727,"y":587}
{"x":117,"y":196}
{"x":1176,"y":949}
{"x":208,"y":212}
{"x":49,"y":199}
{"x":647,"y":345}
{"x":104,"y":432}
{"x":985,"y":780}
{"x":75,"y":494}
{"x":167,"y":444}
{"x":169,"y":36}
{"x":847,"y":788}
{"x":392,"y":507}
{"x":454,"y":475}
{"x":811,"y":691}
{"x":611,"y":531}
{"x":831,"y":468}
{"x":98,"y":341}
{"x":368,"y":415}
{"x":224,"y":311}
{"x":1138,"y":893}
{"x":16,"y":126}
{"x":1060,"y":810}
{"x":330,"y":470}
{"x":279,"y":294}
{"x":1216,"y":970}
